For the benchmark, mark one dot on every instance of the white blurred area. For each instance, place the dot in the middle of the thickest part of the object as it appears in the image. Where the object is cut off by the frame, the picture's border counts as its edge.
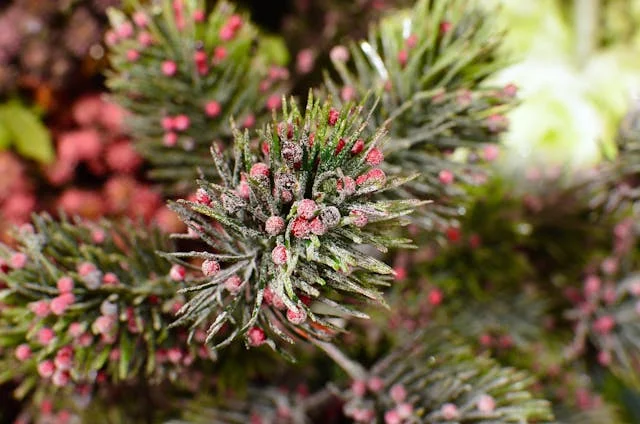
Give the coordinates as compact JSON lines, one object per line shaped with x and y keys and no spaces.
{"x":571,"y":105}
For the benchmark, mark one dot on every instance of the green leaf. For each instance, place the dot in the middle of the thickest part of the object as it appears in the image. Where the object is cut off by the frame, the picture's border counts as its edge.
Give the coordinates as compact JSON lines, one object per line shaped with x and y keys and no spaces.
{"x":274,"y":49}
{"x":30,"y":137}
{"x":5,"y":137}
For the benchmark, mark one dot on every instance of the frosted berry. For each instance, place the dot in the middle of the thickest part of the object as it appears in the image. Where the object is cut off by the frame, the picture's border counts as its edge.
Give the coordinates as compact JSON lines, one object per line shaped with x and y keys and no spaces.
{"x":333,"y":117}
{"x":359,"y":218}
{"x":279,"y":255}
{"x":169,"y":68}
{"x":435,"y":297}
{"x":339,"y":54}
{"x":23,"y":352}
{"x":140,"y":19}
{"x":60,"y":378}
{"x":46,"y":368}
{"x":403,"y":56}
{"x":18,"y":260}
{"x":604,"y":324}
{"x":259,"y":171}
{"x":449,"y":411}
{"x":274,"y":225}
{"x":274,"y":102}
{"x":202,"y":197}
{"x":358,"y":147}
{"x":398,"y":393}
{"x":40,"y":308}
{"x":300,"y":228}
{"x":210,"y":267}
{"x":486,"y":404}
{"x":392,"y":417}
{"x":296,"y":316}
{"x":291,"y":153}
{"x":307,"y":208}
{"x":490,"y":152}
{"x":317,"y":227}
{"x":375,"y":384}
{"x":256,"y":337}
{"x":65,"y":285}
{"x":177,"y":273}
{"x":232,"y":284}
{"x":375,"y":156}
{"x":445,"y":176}
{"x":359,"y":388}
{"x":45,"y":335}
{"x":133,"y":55}
{"x":181,"y":122}
{"x":212,"y":109}
{"x":330,"y":216}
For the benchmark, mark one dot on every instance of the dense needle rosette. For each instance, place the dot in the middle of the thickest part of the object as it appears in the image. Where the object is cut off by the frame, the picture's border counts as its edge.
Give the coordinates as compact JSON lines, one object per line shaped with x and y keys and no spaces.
{"x":290,"y":227}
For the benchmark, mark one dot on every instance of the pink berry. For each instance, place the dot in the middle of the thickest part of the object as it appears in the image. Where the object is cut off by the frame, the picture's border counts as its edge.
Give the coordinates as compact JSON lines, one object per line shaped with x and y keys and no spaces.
{"x":307,"y":208}
{"x":98,"y":236}
{"x":140,"y":19}
{"x":347,"y":93}
{"x":170,"y":139}
{"x":104,"y":324}
{"x":273,"y":299}
{"x":317,"y":227}
{"x":125,"y":30}
{"x":333,"y":117}
{"x":445,"y":176}
{"x":45,"y":336}
{"x":510,"y":90}
{"x":169,"y":68}
{"x":449,"y":411}
{"x":375,"y":175}
{"x":274,"y":102}
{"x":226,"y":33}
{"x":199,"y":15}
{"x":212,"y":109}
{"x":256,"y":337}
{"x":249,"y":121}
{"x":604,"y":358}
{"x":486,"y":404}
{"x":181,"y":122}
{"x":64,"y":358}
{"x":592,"y":286}
{"x":202,"y":197}
{"x":75,"y":329}
{"x":274,"y":225}
{"x":375,"y":156}
{"x":86,"y":268}
{"x":167,"y":123}
{"x":445,"y":27}
{"x":110,"y":279}
{"x":133,"y":55}
{"x":177,"y":273}
{"x":358,"y":147}
{"x":210,"y":267}
{"x":300,"y":228}
{"x":398,"y":393}
{"x":392,"y":417}
{"x":490,"y":152}
{"x":145,"y":39}
{"x":18,"y":260}
{"x":23,"y":352}
{"x":435,"y":297}
{"x":340,"y":146}
{"x":279,"y":255}
{"x":65,"y":285}
{"x":219,"y":53}
{"x":375,"y":384}
{"x":46,"y":368}
{"x":232,"y":284}
{"x":296,"y":316}
{"x":403,"y":57}
{"x":259,"y":171}
{"x":60,"y":303}
{"x":61,"y":378}
{"x":405,"y":410}
{"x":359,"y":388}
{"x":243,"y":190}
{"x":604,"y":324}
{"x":339,"y":54}
{"x":346,"y":185}
{"x":412,"y":41}
{"x":235,"y":22}
{"x":359,"y":218}
{"x":40,"y":308}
